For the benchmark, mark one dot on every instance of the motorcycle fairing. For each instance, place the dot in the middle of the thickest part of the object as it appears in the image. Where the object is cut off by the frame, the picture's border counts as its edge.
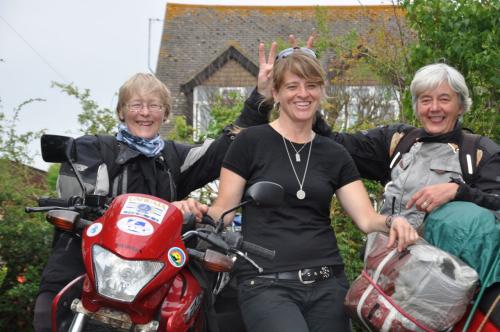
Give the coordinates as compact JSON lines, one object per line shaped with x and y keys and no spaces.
{"x":61,"y":305}
{"x":180,"y":309}
{"x":166,"y":234}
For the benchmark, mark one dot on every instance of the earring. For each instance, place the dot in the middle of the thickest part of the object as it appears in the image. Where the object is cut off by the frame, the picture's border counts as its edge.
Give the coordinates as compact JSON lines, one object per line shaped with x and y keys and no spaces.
{"x":276,"y":105}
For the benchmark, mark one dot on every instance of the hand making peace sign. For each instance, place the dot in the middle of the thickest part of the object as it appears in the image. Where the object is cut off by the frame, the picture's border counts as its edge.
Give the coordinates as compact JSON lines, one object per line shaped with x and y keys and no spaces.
{"x":266,"y":66}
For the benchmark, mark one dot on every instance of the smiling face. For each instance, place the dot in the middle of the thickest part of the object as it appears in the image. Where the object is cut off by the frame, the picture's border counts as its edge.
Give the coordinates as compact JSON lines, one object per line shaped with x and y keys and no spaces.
{"x":299,"y":98}
{"x":139,"y":101}
{"x":298,"y":86}
{"x":438,"y":109}
{"x":146,"y":121}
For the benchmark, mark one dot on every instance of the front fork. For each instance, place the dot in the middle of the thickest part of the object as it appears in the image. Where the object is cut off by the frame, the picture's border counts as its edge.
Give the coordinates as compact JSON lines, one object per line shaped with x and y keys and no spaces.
{"x":80,"y":318}
{"x":78,"y":323}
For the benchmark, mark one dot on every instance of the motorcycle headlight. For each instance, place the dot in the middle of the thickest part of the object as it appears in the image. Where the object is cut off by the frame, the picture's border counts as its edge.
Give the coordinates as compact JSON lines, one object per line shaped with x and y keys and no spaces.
{"x":121,"y":279}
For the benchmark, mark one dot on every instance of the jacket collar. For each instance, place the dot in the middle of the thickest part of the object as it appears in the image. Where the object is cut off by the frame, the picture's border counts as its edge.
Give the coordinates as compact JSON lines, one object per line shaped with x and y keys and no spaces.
{"x":125,"y":154}
{"x":453,"y":136}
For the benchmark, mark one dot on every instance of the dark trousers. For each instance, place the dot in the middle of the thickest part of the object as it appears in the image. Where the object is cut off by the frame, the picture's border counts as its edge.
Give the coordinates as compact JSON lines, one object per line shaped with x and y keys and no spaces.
{"x":65,"y":263}
{"x":42,"y":317}
{"x":270,"y":305}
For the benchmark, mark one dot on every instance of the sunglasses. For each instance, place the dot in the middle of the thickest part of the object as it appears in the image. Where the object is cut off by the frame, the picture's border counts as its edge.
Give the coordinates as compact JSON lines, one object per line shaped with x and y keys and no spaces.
{"x":304,"y":50}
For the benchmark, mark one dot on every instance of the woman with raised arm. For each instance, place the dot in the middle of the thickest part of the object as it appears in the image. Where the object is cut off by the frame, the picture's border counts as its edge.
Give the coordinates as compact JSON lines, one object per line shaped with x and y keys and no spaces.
{"x":303,"y":288}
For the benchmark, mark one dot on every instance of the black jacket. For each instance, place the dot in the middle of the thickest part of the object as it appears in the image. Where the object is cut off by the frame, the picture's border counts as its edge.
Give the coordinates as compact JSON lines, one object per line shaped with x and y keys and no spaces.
{"x":112,"y":170}
{"x":370,"y":151}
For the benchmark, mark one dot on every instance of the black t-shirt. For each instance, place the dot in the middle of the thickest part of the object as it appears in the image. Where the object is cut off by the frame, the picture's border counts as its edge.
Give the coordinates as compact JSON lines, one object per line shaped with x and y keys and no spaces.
{"x":299,"y":230}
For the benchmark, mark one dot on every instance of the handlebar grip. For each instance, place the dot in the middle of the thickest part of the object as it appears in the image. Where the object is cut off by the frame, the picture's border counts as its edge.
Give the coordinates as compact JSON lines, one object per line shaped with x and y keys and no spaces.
{"x":258,"y":250}
{"x":207,"y":220}
{"x":48,"y":201}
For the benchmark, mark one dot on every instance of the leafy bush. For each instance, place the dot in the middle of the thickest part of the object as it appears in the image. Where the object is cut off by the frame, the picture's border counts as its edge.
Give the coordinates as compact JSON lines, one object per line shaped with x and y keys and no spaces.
{"x":24,"y":245}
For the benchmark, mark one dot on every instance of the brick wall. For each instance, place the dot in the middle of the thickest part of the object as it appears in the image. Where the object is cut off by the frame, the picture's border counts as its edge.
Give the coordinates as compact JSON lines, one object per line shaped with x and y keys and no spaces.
{"x":231,"y":74}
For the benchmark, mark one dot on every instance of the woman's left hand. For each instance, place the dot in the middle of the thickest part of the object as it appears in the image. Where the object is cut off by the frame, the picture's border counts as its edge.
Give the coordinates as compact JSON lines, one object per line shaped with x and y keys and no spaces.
{"x":402,"y":232}
{"x":432,"y":197}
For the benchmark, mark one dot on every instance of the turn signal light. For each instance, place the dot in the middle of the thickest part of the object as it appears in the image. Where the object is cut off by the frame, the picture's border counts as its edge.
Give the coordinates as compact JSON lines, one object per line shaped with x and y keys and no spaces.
{"x":216,"y":262}
{"x":63,"y":220}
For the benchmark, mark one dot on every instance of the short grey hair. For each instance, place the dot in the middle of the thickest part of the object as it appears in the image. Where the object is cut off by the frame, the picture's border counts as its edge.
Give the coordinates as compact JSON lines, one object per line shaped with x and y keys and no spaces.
{"x":431,"y":76}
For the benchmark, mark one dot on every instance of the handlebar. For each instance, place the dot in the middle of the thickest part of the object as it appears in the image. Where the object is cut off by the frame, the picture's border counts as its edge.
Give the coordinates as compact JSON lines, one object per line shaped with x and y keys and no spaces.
{"x":258,"y":250}
{"x":48,"y":201}
{"x":91,"y":208}
{"x":233,"y":242}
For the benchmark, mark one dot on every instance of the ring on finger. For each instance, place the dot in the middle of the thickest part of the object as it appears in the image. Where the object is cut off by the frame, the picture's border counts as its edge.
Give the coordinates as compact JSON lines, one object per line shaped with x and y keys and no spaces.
{"x":424,"y":204}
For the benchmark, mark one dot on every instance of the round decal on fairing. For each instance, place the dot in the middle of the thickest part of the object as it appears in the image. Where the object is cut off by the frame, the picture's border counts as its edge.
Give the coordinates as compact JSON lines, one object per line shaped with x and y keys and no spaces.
{"x":135,"y":226}
{"x":176,"y":256}
{"x":94,"y":229}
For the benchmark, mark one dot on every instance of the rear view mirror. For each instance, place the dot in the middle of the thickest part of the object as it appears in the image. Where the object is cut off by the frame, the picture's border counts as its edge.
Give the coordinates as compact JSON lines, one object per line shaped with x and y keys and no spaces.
{"x":61,"y":149}
{"x":265,"y":194}
{"x":57,"y":149}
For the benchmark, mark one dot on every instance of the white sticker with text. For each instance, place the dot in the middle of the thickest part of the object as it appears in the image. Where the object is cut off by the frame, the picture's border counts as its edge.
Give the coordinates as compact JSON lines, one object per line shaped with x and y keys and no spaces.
{"x":145,"y":207}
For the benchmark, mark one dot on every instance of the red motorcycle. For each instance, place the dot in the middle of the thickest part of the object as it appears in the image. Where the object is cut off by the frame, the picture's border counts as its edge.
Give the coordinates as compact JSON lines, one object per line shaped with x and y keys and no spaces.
{"x":140,"y":274}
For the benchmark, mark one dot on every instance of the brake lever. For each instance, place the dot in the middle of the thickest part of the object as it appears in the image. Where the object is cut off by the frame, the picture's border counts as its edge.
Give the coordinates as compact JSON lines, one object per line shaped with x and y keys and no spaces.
{"x":48,"y":208}
{"x":248,"y":259}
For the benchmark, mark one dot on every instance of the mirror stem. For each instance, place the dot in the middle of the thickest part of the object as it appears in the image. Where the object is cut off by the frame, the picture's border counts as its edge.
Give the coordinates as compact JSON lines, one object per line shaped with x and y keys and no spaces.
{"x":221,"y":222}
{"x":79,"y":179}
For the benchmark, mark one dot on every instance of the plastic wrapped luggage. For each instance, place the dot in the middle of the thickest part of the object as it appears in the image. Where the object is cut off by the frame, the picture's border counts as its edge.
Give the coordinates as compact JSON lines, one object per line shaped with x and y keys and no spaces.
{"x":420,"y":289}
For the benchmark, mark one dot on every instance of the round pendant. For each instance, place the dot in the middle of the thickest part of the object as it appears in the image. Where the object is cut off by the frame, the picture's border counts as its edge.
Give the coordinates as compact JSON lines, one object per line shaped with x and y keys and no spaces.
{"x":301,"y":194}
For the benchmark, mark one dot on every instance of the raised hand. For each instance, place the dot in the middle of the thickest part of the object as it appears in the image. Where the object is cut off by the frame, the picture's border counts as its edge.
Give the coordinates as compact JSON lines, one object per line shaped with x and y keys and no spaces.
{"x":265,"y":69}
{"x":266,"y":65}
{"x":309,"y":44}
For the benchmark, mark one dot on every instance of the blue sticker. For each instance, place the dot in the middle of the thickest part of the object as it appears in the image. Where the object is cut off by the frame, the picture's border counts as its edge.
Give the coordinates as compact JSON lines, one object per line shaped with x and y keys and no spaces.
{"x":176,"y":256}
{"x":135,"y":226}
{"x":94,"y":229}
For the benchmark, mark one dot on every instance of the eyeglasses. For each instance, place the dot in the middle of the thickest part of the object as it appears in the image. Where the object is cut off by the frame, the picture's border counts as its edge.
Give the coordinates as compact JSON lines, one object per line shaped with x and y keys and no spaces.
{"x":137,"y":106}
{"x":287,"y":52}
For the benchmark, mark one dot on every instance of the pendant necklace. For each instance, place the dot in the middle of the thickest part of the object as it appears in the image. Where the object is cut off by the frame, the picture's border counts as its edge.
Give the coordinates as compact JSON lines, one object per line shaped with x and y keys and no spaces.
{"x":301,"y":194}
{"x":297,"y":152}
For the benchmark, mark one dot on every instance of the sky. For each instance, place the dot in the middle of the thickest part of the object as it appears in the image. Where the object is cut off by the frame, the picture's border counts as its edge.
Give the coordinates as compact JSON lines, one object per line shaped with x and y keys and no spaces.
{"x":94,"y":44}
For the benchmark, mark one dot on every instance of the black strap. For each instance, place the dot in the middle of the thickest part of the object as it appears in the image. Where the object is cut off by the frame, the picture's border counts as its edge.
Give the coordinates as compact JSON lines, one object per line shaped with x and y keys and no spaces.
{"x":404,"y":145}
{"x":109,"y":148}
{"x":467,"y":154}
{"x":174,"y":167}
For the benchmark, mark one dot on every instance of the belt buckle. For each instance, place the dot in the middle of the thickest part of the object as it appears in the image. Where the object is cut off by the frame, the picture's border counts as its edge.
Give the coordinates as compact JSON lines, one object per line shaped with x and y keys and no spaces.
{"x":305,"y":282}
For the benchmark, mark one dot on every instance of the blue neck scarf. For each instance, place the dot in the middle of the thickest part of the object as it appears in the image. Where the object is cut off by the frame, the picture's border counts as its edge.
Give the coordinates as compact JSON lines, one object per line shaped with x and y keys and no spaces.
{"x":148,"y":147}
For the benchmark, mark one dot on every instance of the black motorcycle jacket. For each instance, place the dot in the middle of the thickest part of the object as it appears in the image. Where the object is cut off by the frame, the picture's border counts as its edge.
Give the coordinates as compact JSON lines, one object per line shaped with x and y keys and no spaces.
{"x":371,"y":153}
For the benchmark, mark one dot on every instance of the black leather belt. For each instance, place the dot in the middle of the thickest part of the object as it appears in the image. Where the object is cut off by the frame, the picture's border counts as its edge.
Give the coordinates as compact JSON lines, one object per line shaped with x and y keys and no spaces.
{"x":306,"y":276}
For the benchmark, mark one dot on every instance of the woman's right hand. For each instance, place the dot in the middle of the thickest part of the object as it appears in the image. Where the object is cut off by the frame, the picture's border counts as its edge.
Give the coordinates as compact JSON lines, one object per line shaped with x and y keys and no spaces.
{"x":193,"y":207}
{"x":265,"y":69}
{"x":402,"y":232}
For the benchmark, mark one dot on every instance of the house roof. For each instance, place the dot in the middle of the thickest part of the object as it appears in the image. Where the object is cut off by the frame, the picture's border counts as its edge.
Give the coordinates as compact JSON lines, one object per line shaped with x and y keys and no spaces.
{"x":230,"y":54}
{"x":194,"y":36}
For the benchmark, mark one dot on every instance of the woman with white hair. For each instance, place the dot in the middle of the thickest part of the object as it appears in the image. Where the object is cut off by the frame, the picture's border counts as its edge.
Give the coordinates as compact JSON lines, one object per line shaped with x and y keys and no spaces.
{"x":430,"y":173}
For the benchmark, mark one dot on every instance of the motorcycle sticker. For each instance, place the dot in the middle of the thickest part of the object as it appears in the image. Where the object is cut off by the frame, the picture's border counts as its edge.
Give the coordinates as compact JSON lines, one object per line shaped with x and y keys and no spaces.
{"x":135,"y":226}
{"x":145,"y":208}
{"x":193,"y":308}
{"x":176,"y":256}
{"x":94,"y":229}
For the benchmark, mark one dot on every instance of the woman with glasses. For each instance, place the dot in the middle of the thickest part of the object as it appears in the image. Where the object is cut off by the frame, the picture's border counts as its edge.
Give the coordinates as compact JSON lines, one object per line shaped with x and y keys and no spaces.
{"x":303,"y":288}
{"x":137,"y":160}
